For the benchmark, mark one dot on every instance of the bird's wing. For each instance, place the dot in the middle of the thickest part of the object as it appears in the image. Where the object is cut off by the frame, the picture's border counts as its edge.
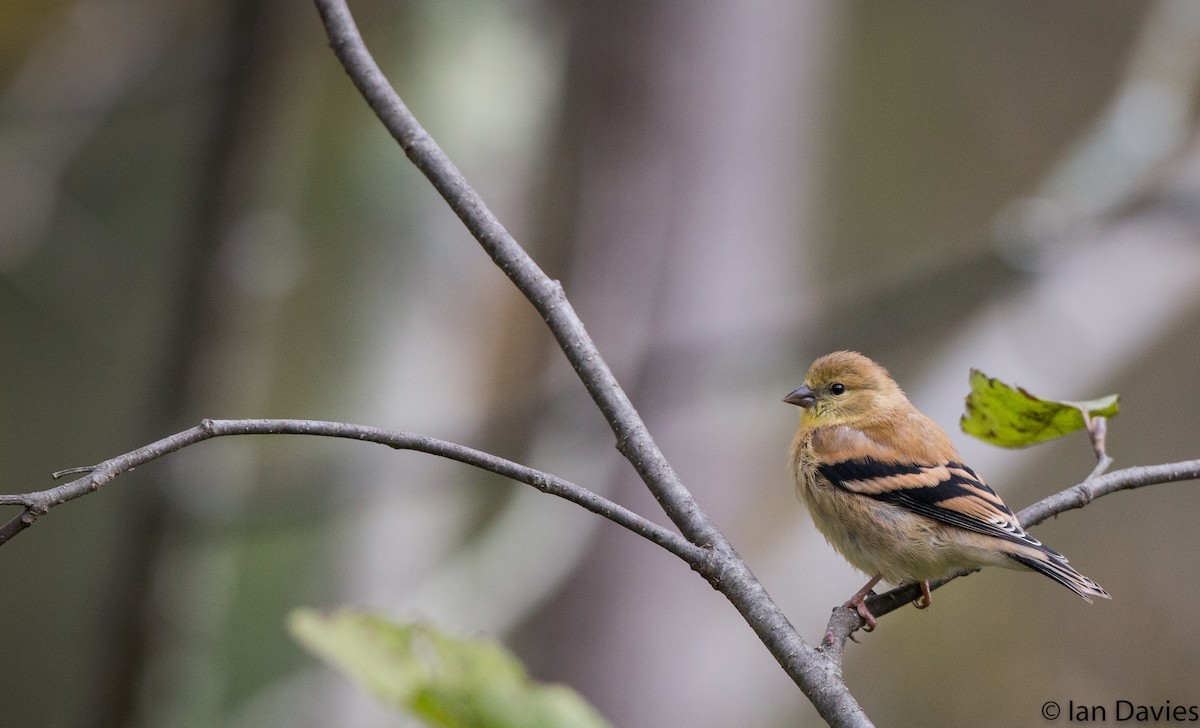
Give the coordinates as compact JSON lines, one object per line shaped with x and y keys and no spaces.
{"x":949,"y":492}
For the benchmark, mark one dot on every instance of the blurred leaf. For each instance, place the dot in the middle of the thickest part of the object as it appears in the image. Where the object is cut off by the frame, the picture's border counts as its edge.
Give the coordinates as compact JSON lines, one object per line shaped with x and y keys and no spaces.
{"x":447,"y":681}
{"x":1008,"y":417}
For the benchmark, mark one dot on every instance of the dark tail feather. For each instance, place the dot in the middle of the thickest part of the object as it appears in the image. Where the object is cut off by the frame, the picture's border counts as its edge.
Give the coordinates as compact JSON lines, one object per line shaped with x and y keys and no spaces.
{"x":1055,"y":566}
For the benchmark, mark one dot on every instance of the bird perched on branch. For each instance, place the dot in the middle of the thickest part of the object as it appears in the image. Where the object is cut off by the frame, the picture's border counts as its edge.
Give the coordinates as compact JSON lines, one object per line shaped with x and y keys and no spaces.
{"x":890,"y":492}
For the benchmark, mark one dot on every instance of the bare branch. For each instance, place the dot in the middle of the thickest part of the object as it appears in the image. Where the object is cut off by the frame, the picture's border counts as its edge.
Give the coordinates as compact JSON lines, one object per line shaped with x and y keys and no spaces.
{"x":39,"y":502}
{"x":1097,"y":430}
{"x":546,"y":295}
{"x":1080,"y":495}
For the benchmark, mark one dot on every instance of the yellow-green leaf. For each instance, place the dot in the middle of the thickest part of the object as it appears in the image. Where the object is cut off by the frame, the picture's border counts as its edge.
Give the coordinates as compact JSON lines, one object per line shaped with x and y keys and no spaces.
{"x":1012,"y":417}
{"x":450,"y":682}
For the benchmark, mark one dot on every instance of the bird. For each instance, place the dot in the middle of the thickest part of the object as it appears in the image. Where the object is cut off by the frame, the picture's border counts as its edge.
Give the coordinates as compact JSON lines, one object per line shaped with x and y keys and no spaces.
{"x":887,"y":488}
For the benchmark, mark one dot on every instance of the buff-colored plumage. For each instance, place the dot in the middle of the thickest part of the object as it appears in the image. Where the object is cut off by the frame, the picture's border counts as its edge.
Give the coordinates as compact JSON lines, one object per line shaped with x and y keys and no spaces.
{"x":889,"y":491}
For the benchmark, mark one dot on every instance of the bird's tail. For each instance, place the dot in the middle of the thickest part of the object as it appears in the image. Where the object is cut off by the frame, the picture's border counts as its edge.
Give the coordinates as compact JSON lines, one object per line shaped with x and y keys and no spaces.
{"x":1055,"y":566}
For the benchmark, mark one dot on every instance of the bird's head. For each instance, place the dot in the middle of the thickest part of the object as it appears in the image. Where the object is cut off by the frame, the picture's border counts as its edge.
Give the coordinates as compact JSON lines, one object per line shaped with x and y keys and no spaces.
{"x":846,"y":388}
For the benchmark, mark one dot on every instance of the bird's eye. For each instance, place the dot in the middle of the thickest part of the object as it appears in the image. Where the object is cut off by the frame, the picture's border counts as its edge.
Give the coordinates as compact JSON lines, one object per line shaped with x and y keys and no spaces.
{"x":838,"y":388}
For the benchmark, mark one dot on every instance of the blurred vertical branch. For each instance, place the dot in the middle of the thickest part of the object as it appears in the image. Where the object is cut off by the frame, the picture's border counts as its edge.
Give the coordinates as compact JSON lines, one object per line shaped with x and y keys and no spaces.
{"x":152,"y":522}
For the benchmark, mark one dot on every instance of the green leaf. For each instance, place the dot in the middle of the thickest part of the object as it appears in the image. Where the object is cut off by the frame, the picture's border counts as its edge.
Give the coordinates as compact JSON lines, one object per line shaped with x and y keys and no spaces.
{"x":1008,"y":417}
{"x":447,"y":681}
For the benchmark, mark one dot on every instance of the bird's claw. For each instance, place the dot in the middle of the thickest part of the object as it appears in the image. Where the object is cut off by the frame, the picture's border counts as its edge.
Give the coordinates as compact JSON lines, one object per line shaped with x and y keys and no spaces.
{"x":861,"y":608}
{"x":923,"y":601}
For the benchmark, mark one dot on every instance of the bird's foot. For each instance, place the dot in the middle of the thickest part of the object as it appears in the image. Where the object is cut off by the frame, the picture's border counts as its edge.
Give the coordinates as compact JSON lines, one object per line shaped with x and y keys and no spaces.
{"x":858,"y":605}
{"x":856,"y":602}
{"x":923,"y":601}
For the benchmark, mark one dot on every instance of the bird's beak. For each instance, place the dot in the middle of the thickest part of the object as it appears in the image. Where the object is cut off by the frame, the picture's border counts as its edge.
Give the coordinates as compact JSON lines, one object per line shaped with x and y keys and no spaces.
{"x":801,"y":396}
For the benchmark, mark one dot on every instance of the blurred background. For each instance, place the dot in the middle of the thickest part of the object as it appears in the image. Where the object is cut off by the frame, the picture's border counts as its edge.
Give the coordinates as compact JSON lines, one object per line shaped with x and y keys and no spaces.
{"x":199,"y":217}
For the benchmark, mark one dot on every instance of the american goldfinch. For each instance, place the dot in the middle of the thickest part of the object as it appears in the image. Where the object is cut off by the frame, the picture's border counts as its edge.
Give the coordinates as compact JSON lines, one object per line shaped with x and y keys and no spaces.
{"x":888,"y":490}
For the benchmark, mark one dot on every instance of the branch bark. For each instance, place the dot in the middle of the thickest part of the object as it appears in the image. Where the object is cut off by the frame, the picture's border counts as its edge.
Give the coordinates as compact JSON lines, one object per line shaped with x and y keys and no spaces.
{"x":547,"y":296}
{"x":38,"y":503}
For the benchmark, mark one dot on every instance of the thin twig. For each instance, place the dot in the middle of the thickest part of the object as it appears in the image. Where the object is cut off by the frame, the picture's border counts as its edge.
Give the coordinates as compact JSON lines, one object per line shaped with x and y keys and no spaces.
{"x":1080,"y":495}
{"x":39,"y":502}
{"x":1097,"y":430}
{"x":547,"y":296}
{"x":1102,"y":464}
